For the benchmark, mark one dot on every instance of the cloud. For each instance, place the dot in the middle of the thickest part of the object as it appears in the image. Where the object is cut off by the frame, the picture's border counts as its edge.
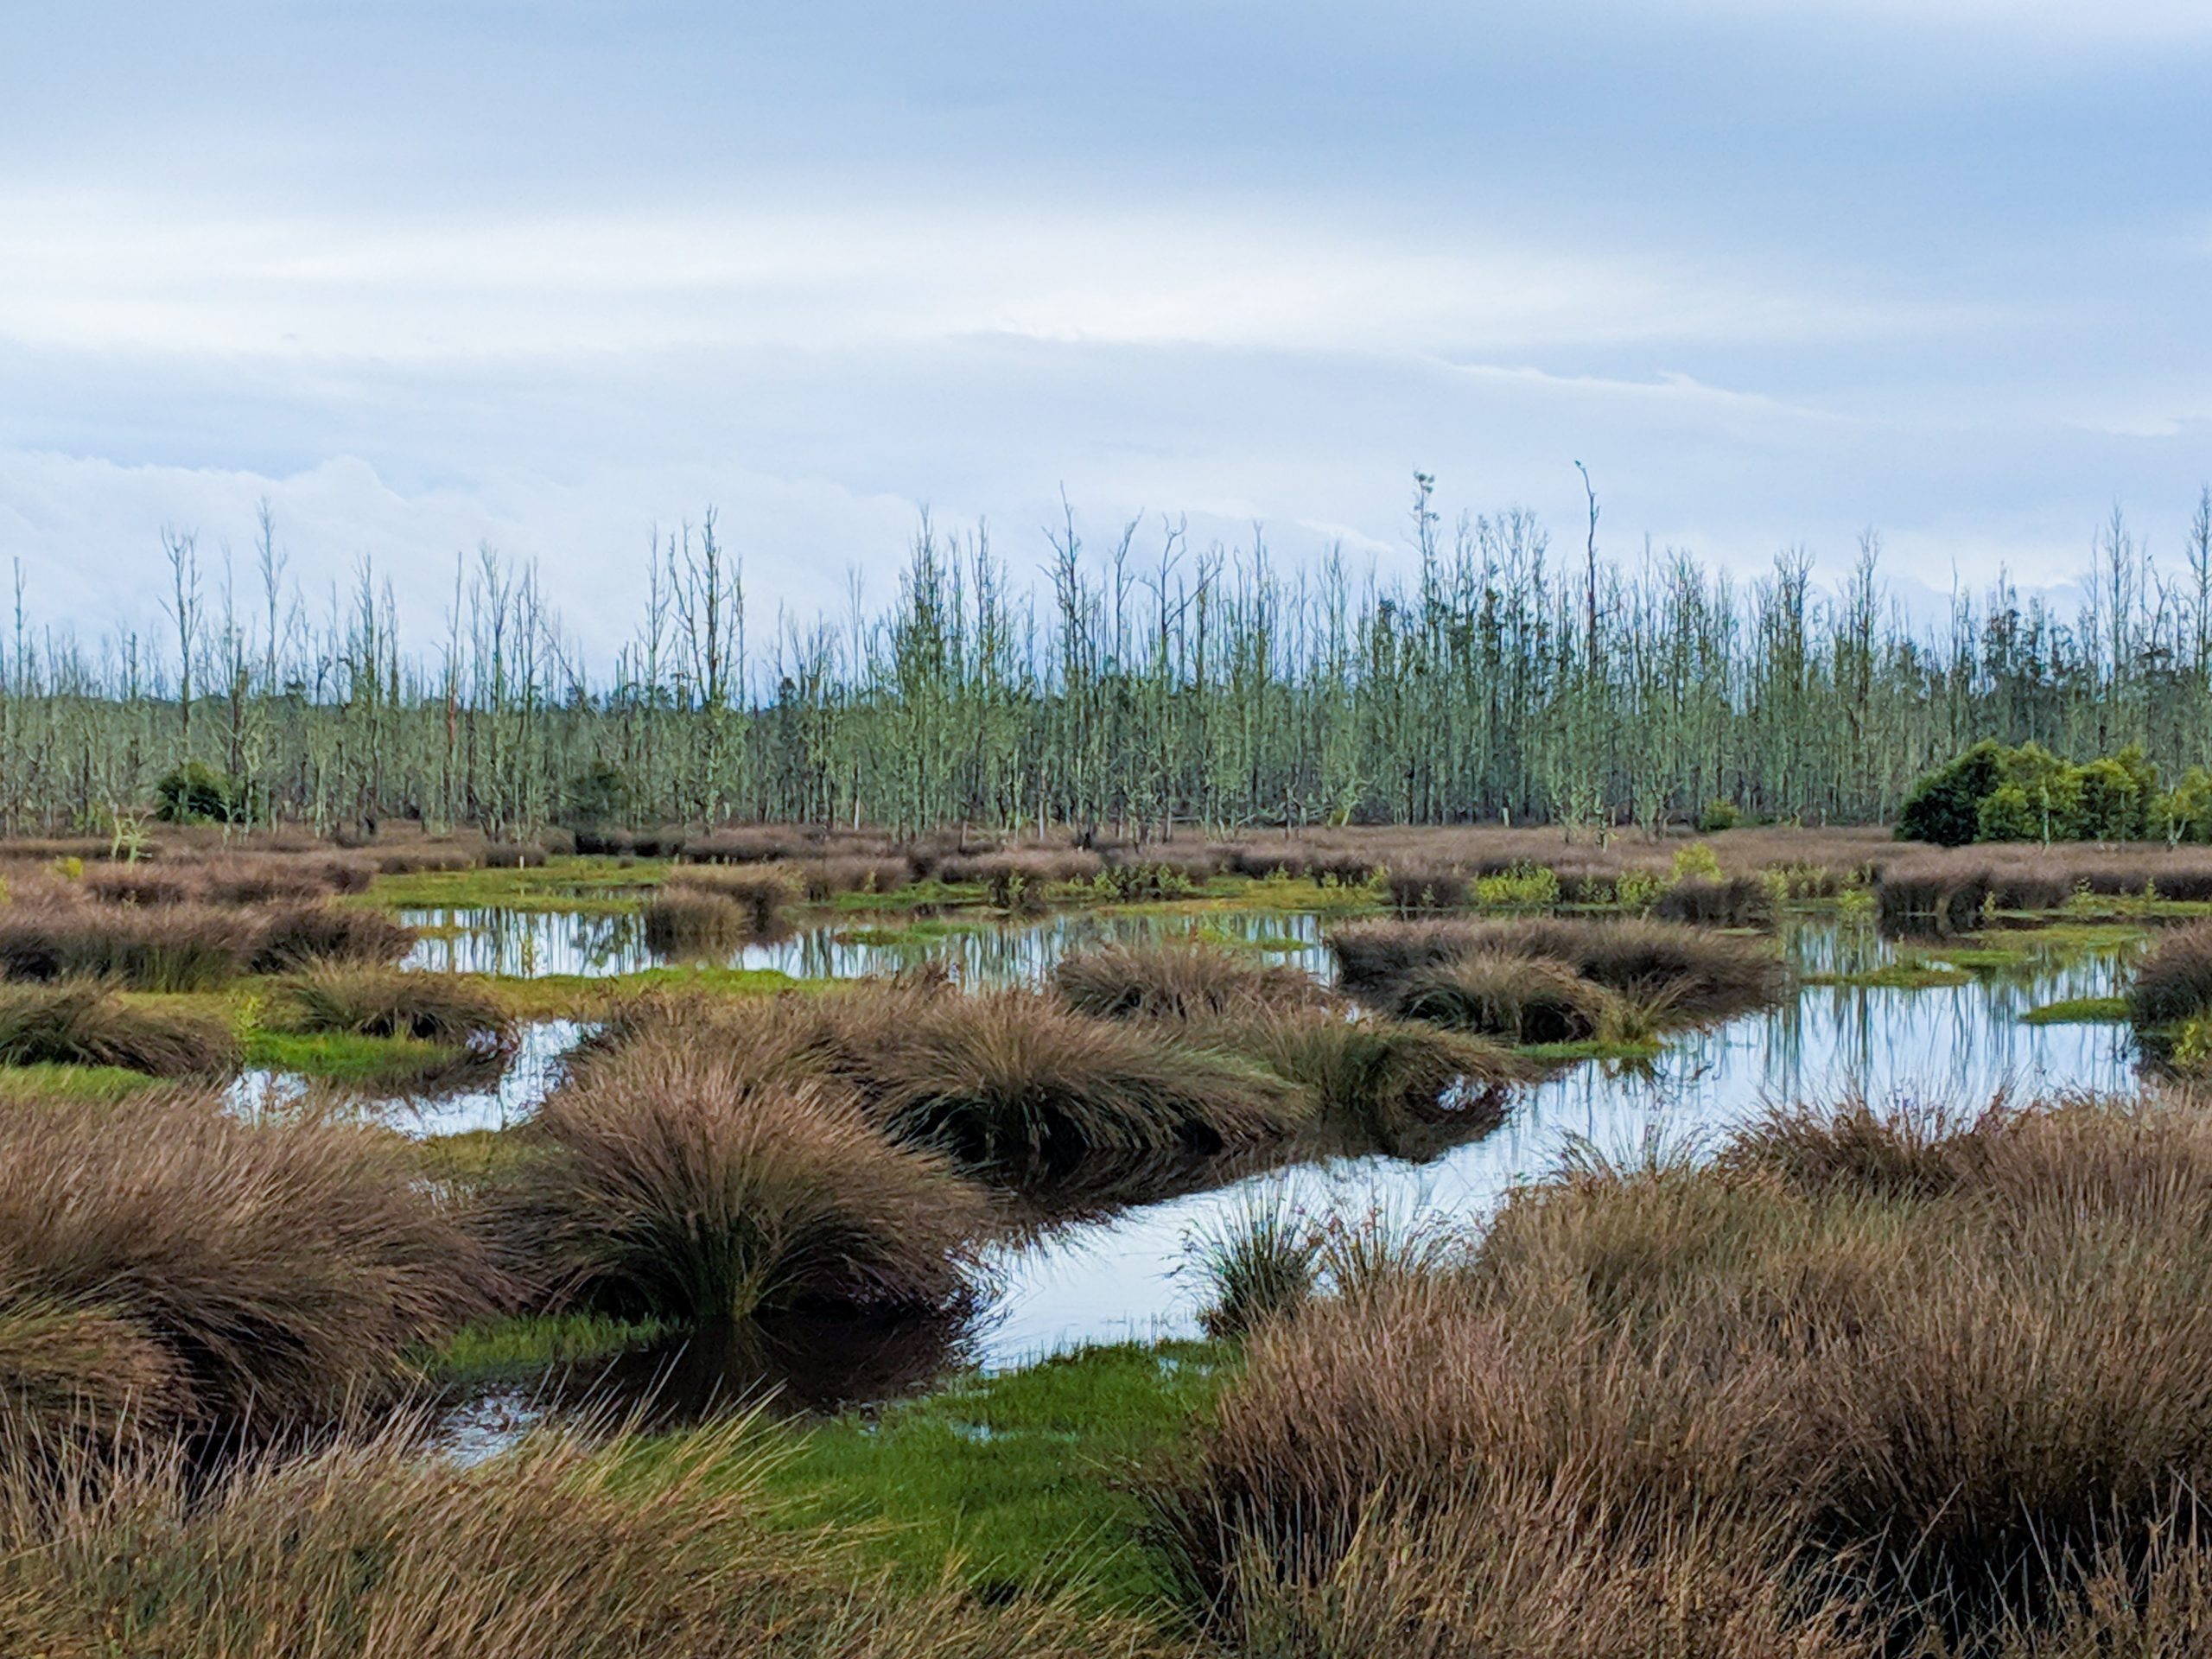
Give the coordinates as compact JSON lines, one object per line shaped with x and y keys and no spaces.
{"x":102,"y":273}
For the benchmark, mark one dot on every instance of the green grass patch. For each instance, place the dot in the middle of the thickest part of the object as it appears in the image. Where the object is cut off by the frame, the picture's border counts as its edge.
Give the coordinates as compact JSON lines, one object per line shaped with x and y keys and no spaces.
{"x":594,"y":885}
{"x":1637,"y":1051}
{"x":527,"y":1345}
{"x":916,"y":935}
{"x":1275,"y":944}
{"x":349,"y":1058}
{"x":2079,"y":1011}
{"x":585,"y":996}
{"x":1020,"y":1482}
{"x":50,"y":1081}
{"x":1911,"y":976}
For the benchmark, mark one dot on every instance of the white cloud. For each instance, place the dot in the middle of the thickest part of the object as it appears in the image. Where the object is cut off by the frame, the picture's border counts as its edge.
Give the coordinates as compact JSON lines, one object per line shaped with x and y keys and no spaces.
{"x":105,"y":273}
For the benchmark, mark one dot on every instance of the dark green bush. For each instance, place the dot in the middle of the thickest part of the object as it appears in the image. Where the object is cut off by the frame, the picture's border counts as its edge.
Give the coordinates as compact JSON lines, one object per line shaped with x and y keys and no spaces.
{"x":196,"y":793}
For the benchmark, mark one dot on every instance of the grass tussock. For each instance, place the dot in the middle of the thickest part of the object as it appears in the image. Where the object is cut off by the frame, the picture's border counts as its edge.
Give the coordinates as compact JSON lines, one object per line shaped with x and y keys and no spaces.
{"x":1521,"y":999}
{"x":690,"y":922}
{"x":760,"y":896}
{"x":1863,"y":1385}
{"x":822,"y":878}
{"x":1696,"y":972}
{"x":168,"y":947}
{"x":164,"y":1262}
{"x":1716,"y":901}
{"x":673,"y":1184}
{"x":557,"y":1550}
{"x":85,"y":1023}
{"x":443,"y":1008}
{"x":293,"y":937}
{"x":2173,"y":981}
{"x":1382,"y":1080}
{"x":1178,"y":980}
{"x":1012,"y":1080}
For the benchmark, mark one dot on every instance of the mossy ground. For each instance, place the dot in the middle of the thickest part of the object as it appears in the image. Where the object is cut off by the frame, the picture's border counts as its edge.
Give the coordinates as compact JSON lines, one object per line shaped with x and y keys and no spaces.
{"x":527,"y":1346}
{"x":1021,"y":1482}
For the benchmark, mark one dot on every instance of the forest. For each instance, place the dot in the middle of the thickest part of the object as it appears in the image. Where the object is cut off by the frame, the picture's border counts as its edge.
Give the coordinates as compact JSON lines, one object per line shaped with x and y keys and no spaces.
{"x":1129,"y":686}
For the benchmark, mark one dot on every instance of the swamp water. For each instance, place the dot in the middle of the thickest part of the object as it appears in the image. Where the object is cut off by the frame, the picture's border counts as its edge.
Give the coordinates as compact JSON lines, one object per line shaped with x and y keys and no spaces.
{"x":1122,"y":1274}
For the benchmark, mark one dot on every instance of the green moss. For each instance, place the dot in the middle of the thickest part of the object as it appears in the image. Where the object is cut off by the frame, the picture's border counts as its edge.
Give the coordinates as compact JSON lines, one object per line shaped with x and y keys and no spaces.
{"x":1016,"y":1482}
{"x":2079,"y":1011}
{"x":48,"y":1081}
{"x":513,"y":1350}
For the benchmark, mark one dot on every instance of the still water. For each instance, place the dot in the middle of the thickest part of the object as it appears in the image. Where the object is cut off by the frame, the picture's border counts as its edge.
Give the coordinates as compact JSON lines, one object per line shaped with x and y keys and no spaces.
{"x":1122,"y":1274}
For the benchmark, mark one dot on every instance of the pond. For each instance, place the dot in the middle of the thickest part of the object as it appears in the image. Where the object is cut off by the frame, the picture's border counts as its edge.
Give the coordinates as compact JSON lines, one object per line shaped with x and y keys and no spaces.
{"x":1122,"y":1274}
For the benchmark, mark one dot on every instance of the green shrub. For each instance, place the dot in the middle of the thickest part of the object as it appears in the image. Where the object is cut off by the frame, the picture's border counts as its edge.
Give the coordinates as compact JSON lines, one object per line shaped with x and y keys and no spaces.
{"x":1944,"y":806}
{"x":196,"y":793}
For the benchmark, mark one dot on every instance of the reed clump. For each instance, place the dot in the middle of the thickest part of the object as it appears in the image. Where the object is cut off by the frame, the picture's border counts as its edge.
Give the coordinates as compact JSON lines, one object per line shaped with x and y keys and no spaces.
{"x":692,"y":922}
{"x":240,"y":1281}
{"x":1383,"y":1080}
{"x":671,"y":1182}
{"x":1824,"y":1395}
{"x":86,"y":1023}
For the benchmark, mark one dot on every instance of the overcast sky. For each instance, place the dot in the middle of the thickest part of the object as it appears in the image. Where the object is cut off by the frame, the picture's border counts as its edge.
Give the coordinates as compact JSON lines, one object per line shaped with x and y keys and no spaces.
{"x":545,"y":274}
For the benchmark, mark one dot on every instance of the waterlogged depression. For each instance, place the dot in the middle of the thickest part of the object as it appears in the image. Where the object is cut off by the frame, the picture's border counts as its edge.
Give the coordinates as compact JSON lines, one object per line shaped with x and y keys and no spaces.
{"x":1122,"y":1274}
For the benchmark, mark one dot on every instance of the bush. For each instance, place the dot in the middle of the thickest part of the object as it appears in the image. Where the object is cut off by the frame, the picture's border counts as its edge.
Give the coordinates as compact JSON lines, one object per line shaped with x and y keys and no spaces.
{"x":1944,"y":806}
{"x":269,"y":1275}
{"x":1719,"y":814}
{"x":196,"y":793}
{"x":680,"y":1184}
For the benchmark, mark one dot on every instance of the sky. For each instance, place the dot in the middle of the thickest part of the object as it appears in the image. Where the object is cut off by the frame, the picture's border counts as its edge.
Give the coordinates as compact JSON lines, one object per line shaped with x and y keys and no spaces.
{"x":549,"y":277}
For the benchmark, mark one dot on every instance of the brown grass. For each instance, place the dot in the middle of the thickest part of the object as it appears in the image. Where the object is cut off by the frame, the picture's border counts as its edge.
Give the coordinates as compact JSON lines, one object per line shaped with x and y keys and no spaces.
{"x":301,"y":936}
{"x":390,"y":1002}
{"x":1514,"y":999}
{"x":559,"y":1550}
{"x":1012,"y":1080}
{"x":84,"y":1023}
{"x":2173,"y":980}
{"x":253,"y":1278}
{"x":1823,"y":1395}
{"x":691,"y":922}
{"x":761,"y":895}
{"x":674,"y":1183}
{"x":1180,"y":981}
{"x":1699,"y":973}
{"x":166,"y":948}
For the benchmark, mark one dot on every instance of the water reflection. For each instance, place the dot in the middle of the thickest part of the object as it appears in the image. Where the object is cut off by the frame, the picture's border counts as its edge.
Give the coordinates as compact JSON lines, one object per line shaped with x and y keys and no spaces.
{"x":978,"y":949}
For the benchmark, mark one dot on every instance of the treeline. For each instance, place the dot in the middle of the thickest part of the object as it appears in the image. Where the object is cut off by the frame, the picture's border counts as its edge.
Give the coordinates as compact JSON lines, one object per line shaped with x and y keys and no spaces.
{"x":1138,"y":685}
